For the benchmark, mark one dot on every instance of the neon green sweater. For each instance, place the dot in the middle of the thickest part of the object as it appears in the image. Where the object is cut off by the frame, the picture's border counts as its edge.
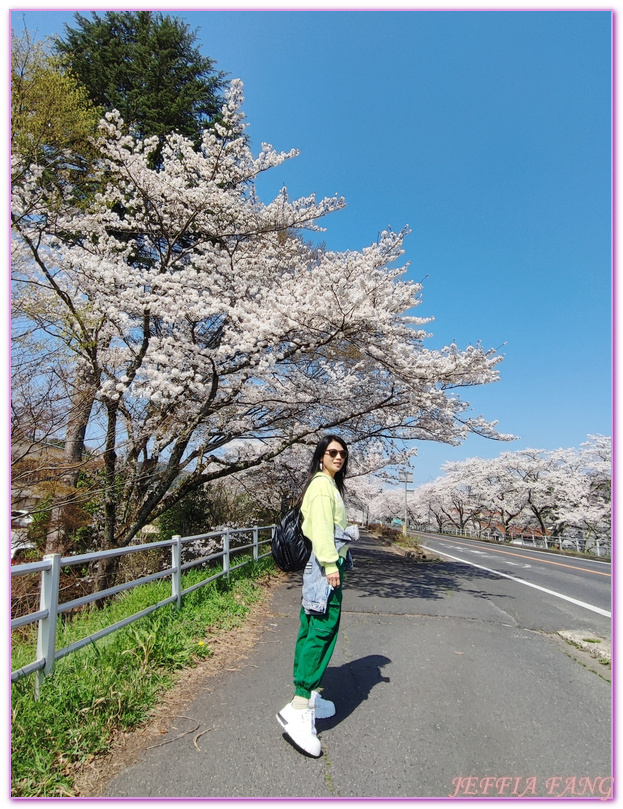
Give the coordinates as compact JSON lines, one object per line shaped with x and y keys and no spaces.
{"x":323,"y":509}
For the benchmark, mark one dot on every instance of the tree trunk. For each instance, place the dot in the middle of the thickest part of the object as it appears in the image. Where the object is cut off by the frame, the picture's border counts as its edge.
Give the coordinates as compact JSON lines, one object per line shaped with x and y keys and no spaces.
{"x":107,"y":568}
{"x":105,"y":575}
{"x":82,"y":402}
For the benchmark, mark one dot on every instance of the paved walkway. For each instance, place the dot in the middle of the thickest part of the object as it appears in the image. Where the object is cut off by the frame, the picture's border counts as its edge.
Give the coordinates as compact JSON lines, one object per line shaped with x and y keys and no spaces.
{"x":435,"y":679}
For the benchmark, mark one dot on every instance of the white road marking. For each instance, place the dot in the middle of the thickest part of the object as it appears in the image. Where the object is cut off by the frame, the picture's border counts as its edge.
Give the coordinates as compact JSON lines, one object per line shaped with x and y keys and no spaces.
{"x":591,"y":607}
{"x":529,"y":549}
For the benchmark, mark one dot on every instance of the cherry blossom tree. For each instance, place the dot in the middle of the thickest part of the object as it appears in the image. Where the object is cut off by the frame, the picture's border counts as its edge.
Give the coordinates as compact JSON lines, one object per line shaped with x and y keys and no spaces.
{"x":363,"y":493}
{"x":213,"y":336}
{"x":584,"y":499}
{"x":548,"y":492}
{"x":429,"y":506}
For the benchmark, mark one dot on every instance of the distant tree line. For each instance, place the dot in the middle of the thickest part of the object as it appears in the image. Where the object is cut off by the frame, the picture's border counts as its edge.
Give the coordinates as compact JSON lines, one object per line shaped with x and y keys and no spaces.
{"x":545,"y":492}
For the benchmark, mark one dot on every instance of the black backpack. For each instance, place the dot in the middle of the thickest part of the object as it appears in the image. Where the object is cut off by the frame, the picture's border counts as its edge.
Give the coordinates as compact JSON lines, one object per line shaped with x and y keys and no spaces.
{"x":290,"y":547}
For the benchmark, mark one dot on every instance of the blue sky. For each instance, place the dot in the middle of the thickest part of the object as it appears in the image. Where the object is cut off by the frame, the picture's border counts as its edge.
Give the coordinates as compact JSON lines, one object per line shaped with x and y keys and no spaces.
{"x":488,"y":133}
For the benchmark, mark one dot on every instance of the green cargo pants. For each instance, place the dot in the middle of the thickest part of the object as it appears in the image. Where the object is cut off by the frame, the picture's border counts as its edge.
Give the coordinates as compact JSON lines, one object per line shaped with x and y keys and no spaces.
{"x":316,"y":641}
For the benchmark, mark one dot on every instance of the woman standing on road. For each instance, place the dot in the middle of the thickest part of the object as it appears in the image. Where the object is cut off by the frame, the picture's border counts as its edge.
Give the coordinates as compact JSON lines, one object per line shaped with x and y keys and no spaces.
{"x":324,"y":523}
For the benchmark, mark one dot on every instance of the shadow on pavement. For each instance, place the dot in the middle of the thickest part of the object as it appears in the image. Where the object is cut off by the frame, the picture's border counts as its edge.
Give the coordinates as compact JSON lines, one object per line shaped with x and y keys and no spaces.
{"x":404,"y":578}
{"x":349,"y":685}
{"x":383,"y":573}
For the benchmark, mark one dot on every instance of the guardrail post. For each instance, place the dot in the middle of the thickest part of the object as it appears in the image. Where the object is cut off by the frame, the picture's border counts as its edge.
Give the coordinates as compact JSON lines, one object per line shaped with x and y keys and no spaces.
{"x":226,"y":552}
{"x":176,"y":564}
{"x":256,"y":539}
{"x":46,"y":638}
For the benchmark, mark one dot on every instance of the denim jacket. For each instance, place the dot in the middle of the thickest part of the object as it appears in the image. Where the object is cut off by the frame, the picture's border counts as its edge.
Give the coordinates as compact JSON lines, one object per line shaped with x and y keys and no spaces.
{"x":316,"y":588}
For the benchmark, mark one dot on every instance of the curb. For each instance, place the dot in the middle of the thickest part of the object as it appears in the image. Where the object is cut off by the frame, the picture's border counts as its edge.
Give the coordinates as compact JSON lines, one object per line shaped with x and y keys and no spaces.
{"x":595,"y":645}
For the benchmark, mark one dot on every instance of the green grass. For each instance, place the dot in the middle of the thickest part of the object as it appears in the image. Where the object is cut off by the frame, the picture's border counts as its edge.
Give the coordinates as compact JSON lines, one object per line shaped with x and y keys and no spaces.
{"x":112,"y":684}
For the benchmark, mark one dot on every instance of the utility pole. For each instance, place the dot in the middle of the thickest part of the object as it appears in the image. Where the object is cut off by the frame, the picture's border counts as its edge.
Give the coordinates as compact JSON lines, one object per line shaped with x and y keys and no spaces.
{"x":405,"y":477}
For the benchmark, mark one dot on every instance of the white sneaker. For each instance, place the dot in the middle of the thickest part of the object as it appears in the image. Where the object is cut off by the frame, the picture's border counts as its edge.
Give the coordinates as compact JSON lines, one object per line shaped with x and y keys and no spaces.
{"x":300,"y":727}
{"x":323,"y":708}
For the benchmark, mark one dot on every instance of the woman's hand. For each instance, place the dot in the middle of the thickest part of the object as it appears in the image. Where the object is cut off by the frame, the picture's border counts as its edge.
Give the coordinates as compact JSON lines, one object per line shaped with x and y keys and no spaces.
{"x":334,"y":579}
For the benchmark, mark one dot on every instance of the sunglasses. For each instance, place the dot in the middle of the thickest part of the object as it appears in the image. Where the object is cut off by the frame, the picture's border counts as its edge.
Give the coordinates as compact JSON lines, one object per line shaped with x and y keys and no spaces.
{"x":343,"y":453}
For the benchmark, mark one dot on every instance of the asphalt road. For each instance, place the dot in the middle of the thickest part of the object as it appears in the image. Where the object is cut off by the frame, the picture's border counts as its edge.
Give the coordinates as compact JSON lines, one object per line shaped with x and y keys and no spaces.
{"x":583,"y":583}
{"x":448,"y":679}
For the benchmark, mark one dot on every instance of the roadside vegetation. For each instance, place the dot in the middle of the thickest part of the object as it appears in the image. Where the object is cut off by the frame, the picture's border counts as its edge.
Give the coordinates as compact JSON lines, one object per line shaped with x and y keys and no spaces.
{"x":407,"y":541}
{"x":112,"y":684}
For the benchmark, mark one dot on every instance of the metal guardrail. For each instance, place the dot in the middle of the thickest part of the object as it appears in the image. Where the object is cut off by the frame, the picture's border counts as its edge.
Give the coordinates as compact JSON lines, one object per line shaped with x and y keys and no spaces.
{"x":49,"y":608}
{"x":594,"y":546}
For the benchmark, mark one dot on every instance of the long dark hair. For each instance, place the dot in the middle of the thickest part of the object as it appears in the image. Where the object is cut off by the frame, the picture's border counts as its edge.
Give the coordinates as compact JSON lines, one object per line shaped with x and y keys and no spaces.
{"x":316,"y":464}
